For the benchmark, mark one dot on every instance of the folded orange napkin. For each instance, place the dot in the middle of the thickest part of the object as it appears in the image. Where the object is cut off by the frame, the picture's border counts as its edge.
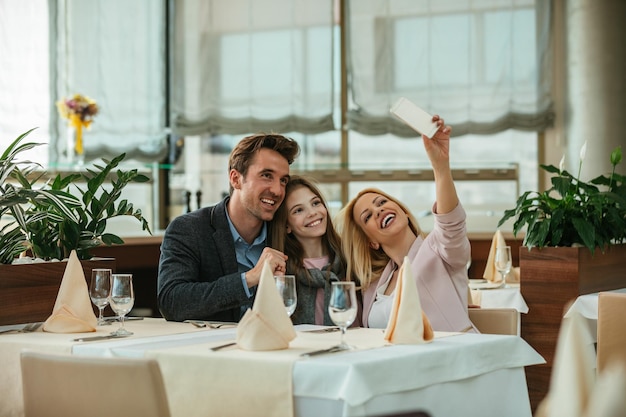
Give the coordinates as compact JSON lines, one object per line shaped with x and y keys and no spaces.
{"x":72,"y":312}
{"x":266,"y":326}
{"x":491,"y":272}
{"x":572,"y":379}
{"x":407,"y":324}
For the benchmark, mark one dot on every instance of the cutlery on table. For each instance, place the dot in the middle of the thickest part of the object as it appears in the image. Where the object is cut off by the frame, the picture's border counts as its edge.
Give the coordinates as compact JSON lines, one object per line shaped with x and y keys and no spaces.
{"x":93,"y":338}
{"x":324,"y":330}
{"x":30,"y":327}
{"x":211,"y":325}
{"x":218,"y":347}
{"x":333,"y":349}
{"x":117,"y":318}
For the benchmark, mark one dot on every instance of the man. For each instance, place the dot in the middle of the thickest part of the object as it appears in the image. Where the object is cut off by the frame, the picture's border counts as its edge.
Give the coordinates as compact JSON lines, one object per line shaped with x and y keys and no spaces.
{"x":211,"y":259}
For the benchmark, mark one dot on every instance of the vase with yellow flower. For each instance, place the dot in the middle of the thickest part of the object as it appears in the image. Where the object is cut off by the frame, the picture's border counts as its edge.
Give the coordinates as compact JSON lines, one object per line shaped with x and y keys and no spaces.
{"x":79,"y":110}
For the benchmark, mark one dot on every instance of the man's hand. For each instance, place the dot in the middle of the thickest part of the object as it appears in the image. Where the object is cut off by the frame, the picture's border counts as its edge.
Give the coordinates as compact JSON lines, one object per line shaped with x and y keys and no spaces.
{"x":277,"y":263}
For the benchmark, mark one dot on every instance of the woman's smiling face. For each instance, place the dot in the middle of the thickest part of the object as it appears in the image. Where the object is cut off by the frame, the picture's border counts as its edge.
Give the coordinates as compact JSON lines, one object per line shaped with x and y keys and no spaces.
{"x":379,"y":217}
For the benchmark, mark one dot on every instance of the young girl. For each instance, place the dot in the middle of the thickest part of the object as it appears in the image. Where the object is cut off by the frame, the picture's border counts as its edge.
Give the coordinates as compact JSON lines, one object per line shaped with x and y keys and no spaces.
{"x":303,"y":230}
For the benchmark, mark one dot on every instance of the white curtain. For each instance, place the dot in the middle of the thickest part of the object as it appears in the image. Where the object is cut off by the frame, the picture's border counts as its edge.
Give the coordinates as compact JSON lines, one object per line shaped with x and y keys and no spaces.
{"x":242,"y":66}
{"x":484,"y":65}
{"x":114,"y":52}
{"x":24,"y":80}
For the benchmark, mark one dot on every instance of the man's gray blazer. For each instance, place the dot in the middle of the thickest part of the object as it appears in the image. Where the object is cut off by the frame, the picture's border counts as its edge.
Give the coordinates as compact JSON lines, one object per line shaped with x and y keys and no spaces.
{"x":198,"y":273}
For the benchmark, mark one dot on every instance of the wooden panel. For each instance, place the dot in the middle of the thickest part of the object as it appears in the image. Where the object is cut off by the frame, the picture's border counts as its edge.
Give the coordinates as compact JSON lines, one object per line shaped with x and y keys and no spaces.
{"x":551,"y":278}
{"x":28,"y":292}
{"x":138,"y":256}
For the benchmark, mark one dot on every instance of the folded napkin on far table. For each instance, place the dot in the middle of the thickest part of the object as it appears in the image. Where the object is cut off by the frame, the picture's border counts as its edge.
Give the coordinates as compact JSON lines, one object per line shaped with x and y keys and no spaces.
{"x":491,"y":272}
{"x":72,"y":312}
{"x":266,"y":326}
{"x":407,"y":324}
{"x":572,"y":379}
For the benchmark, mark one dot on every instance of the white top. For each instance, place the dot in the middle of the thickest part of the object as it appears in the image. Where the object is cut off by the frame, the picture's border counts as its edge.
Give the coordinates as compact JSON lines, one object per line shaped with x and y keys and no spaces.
{"x":381,"y":309}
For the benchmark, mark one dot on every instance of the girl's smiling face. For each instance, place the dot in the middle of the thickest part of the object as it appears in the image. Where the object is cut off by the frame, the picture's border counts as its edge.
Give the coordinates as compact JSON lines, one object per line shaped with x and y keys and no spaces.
{"x":307,"y":217}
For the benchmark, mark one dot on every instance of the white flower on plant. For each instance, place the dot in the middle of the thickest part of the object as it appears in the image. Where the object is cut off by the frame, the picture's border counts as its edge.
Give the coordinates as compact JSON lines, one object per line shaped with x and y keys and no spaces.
{"x":562,"y":164}
{"x":583,"y":151}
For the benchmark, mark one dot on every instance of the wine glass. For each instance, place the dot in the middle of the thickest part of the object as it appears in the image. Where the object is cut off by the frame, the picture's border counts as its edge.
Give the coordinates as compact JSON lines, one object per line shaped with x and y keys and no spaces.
{"x":99,"y":291}
{"x":503,"y":262}
{"x":122,"y":299}
{"x":342,"y":308}
{"x":286,"y":285}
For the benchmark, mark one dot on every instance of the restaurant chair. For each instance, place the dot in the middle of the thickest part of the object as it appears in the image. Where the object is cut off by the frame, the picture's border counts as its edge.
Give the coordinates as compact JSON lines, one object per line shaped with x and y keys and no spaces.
{"x":57,"y":385}
{"x":611,"y":325}
{"x":495,"y":320}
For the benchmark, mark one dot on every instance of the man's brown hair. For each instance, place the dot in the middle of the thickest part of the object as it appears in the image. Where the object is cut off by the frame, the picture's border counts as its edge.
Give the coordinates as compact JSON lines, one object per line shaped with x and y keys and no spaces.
{"x":243,"y":153}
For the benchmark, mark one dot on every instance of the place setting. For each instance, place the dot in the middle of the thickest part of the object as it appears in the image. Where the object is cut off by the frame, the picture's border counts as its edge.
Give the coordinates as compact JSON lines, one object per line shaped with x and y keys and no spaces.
{"x":119,"y":294}
{"x":499,"y":272}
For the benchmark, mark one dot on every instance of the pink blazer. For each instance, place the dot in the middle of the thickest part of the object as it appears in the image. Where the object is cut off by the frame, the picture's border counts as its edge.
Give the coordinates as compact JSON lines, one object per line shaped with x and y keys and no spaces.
{"x":439,"y":263}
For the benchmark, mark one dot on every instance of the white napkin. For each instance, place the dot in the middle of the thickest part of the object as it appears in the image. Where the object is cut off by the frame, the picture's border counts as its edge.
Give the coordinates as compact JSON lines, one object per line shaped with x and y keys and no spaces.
{"x":491,"y":272}
{"x":266,"y":326}
{"x":407,"y":323}
{"x":72,"y":312}
{"x":573,"y":376}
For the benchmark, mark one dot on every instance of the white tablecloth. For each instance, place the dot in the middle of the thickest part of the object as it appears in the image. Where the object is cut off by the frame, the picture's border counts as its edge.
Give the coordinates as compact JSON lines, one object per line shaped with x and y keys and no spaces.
{"x":450,"y":376}
{"x":382,"y":380}
{"x":510,"y":297}
{"x":587,"y":306}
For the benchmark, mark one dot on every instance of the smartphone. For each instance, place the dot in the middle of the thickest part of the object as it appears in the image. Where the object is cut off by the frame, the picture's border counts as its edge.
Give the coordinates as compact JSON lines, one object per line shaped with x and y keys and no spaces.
{"x":415,"y":117}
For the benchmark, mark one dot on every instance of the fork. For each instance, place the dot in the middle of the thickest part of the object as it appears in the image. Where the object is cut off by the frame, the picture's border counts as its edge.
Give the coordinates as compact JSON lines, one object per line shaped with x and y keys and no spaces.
{"x":200,"y":323}
{"x":30,"y":327}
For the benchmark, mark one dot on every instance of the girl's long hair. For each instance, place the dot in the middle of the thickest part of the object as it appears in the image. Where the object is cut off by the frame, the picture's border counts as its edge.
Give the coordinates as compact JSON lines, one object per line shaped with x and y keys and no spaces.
{"x":287,"y":242}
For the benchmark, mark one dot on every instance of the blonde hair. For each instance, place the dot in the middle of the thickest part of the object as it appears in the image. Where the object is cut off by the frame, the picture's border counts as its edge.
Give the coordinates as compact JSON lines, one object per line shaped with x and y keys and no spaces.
{"x":365,"y":263}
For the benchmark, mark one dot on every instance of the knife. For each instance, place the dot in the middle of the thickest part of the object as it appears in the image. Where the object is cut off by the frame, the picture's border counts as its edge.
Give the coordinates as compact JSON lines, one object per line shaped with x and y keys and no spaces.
{"x":324,"y":330}
{"x":332,"y":349}
{"x":92,"y":338}
{"x":116,"y":318}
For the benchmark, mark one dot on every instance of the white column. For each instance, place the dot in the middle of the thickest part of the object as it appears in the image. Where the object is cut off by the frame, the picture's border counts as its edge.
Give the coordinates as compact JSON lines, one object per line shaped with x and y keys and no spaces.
{"x":596,"y":68}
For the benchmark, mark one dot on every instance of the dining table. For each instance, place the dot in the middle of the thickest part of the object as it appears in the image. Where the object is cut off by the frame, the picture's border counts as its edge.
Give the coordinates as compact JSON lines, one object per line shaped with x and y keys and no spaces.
{"x":455,"y":374}
{"x":487,"y":294}
{"x":587,"y":306}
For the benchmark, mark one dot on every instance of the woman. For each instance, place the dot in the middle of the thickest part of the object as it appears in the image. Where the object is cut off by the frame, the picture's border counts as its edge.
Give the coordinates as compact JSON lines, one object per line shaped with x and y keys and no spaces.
{"x":303,"y":230}
{"x":378,"y":231}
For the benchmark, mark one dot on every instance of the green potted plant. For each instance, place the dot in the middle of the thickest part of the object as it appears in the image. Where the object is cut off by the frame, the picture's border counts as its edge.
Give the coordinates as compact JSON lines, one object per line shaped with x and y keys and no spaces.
{"x":61,"y":216}
{"x":573,"y":212}
{"x":49,"y":220}
{"x":574,"y":245}
{"x":15,"y":173}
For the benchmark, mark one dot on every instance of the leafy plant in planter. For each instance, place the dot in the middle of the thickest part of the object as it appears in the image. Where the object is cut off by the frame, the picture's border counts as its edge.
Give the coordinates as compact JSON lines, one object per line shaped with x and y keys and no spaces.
{"x":13,"y":197}
{"x":573,"y":212}
{"x":56,"y":221}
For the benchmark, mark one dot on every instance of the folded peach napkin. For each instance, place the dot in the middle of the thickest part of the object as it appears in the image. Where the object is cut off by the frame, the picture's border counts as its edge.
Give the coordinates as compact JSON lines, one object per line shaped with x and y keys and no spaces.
{"x":72,"y":312}
{"x":266,"y":326}
{"x":573,"y":376}
{"x":491,"y":272}
{"x":407,"y":323}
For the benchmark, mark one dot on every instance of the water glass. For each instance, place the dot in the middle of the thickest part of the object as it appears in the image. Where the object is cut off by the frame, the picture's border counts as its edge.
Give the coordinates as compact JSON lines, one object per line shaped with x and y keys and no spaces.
{"x":504,"y":261}
{"x":286,"y":285}
{"x":343,"y":307}
{"x":99,"y":291}
{"x":122,"y":299}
